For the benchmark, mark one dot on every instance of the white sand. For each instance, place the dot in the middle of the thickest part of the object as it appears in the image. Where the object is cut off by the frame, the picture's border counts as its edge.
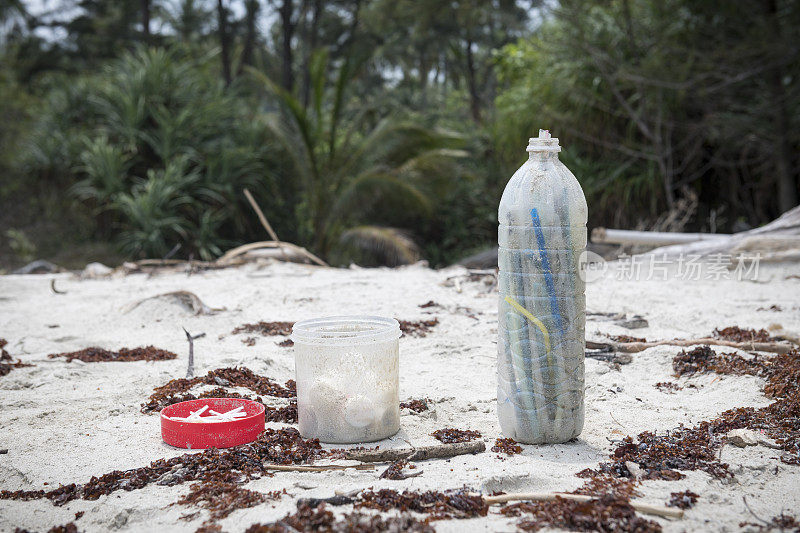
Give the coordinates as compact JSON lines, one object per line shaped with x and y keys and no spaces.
{"x":65,"y":422}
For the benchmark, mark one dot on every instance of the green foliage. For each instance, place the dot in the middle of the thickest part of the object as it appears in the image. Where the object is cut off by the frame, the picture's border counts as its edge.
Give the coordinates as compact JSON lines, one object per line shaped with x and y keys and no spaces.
{"x":353,"y":166}
{"x":158,"y":148}
{"x":650,"y":98}
{"x":395,"y":125}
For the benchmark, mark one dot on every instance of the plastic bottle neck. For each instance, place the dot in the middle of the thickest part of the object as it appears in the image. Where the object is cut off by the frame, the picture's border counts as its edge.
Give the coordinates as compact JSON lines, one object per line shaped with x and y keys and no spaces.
{"x":542,"y":156}
{"x":543,"y":148}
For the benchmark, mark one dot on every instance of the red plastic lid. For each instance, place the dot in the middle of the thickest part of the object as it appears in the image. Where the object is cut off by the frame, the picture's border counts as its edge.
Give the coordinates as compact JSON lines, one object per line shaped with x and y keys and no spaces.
{"x":202,"y":435}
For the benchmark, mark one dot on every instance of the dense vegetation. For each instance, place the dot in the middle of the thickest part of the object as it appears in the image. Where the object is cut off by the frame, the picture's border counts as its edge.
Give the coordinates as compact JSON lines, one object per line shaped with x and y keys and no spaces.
{"x":382,"y":131}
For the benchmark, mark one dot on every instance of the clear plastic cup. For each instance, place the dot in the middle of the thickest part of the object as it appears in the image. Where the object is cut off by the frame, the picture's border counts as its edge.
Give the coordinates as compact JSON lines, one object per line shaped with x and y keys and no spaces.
{"x":347,"y":374}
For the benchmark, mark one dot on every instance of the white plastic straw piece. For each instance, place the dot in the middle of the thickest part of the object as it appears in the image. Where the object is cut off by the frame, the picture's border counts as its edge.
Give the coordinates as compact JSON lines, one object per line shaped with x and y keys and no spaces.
{"x":196,"y":414}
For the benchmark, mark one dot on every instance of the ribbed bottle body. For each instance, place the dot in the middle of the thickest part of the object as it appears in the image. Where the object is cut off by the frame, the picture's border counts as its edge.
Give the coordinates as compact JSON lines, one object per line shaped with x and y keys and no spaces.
{"x":542,"y":304}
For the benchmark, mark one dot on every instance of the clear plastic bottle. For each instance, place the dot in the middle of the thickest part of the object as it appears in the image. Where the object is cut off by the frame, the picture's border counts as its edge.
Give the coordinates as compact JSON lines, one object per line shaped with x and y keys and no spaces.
{"x":542,"y":308}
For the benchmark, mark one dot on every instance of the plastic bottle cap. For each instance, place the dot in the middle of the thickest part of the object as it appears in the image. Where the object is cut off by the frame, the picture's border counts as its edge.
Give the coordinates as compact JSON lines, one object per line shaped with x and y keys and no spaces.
{"x":199,"y":435}
{"x":543,"y":143}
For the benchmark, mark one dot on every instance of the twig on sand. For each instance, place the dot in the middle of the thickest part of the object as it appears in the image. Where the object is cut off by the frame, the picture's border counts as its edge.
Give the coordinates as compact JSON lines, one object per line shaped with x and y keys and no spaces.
{"x":634,"y":347}
{"x":53,"y":287}
{"x":646,"y":508}
{"x":315,"y":468}
{"x":191,"y":338}
{"x":747,"y":505}
{"x":420,"y":453}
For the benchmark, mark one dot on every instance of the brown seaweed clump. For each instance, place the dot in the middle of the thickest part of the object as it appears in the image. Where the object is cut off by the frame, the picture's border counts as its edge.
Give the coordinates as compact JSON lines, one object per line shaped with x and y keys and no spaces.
{"x":607,"y":513}
{"x":703,"y":359}
{"x":662,"y":456}
{"x":176,"y":390}
{"x":439,"y":505}
{"x":221,"y":498}
{"x":452,"y":435}
{"x":415,"y":405}
{"x":395,"y":471}
{"x":603,"y":483}
{"x":287,"y":415}
{"x":783,"y":522}
{"x":101,"y":355}
{"x":683,"y":500}
{"x":313,"y":518}
{"x":507,"y":446}
{"x":232,"y":465}
{"x":266,"y":329}
{"x":626,"y":338}
{"x":668,"y":386}
{"x":6,"y":364}
{"x":737,"y":334}
{"x":419,"y":328}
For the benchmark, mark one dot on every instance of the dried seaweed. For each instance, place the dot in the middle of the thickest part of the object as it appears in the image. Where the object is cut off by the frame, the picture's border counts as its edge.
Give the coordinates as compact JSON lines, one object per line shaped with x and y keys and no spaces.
{"x":316,"y":518}
{"x":703,"y":359}
{"x":276,"y":446}
{"x":683,"y":500}
{"x":7,"y":367}
{"x":66,"y":528}
{"x":439,"y":505}
{"x":221,"y":498}
{"x":287,"y":343}
{"x":395,"y":471}
{"x":175,"y":390}
{"x":507,"y":446}
{"x":452,"y":435}
{"x":783,"y":522}
{"x":604,"y":483}
{"x":266,"y":329}
{"x":101,"y":355}
{"x":668,"y":386}
{"x":606,"y":513}
{"x":429,"y":303}
{"x":626,"y":338}
{"x":415,"y":405}
{"x":695,"y":448}
{"x":287,"y":415}
{"x":419,"y":328}
{"x":737,"y":334}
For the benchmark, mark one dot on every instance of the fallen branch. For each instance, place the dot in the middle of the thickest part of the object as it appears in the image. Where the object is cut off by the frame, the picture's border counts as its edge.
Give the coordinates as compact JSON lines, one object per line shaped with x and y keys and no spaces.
{"x":191,"y":338}
{"x":241,"y":250}
{"x":651,"y":238}
{"x":315,"y":468}
{"x":635,"y":347}
{"x":657,"y":510}
{"x":421,"y":453}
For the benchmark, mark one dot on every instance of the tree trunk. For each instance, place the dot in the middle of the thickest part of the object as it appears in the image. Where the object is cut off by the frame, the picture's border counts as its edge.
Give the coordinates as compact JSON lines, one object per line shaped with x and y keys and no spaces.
{"x":287,"y":74}
{"x":787,"y":183}
{"x":313,"y":35}
{"x":252,"y":7}
{"x":472,"y":84}
{"x":146,"y":20}
{"x":223,"y":42}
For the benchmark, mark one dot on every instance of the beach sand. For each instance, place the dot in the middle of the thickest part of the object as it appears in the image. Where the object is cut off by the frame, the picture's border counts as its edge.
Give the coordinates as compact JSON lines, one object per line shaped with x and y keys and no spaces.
{"x":66,"y":422}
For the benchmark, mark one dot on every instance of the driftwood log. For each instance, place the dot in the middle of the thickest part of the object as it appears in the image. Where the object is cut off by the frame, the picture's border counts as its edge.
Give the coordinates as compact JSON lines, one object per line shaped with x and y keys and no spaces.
{"x":421,"y":453}
{"x":658,"y":510}
{"x":315,"y":468}
{"x":651,"y":238}
{"x":634,"y":347}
